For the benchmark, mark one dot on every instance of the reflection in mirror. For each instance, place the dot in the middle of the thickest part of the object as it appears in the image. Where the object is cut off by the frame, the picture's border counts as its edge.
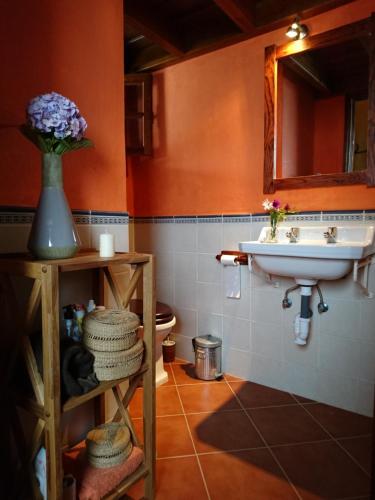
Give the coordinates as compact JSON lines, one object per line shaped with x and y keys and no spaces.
{"x":322,"y":110}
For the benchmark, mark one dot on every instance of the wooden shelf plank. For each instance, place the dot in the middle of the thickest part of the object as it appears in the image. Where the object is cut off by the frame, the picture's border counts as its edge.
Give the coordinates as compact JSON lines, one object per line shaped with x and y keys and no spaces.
{"x":100,"y":389}
{"x":24,"y":264}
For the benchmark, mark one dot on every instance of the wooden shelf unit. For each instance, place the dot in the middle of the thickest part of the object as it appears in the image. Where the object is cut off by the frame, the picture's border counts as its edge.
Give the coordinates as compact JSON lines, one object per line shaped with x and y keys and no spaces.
{"x":46,"y":405}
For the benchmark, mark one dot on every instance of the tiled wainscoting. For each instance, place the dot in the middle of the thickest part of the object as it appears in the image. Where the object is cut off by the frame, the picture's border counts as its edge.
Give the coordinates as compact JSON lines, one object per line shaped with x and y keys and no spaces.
{"x":15,"y":225}
{"x":338,"y":364}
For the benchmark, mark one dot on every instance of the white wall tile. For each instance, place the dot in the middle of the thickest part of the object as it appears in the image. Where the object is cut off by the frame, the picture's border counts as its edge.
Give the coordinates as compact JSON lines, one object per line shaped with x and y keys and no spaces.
{"x":186,"y":322}
{"x":367,"y":361}
{"x":367,"y":309}
{"x":184,"y":348}
{"x":342,"y":319}
{"x":164,"y":265}
{"x":185,"y":267}
{"x":365,"y":398}
{"x":209,"y":269}
{"x":267,"y":340}
{"x":210,"y":237}
{"x":233,"y":233}
{"x":236,"y":333}
{"x":209,"y":298}
{"x":236,"y":362}
{"x":84,"y":235}
{"x":302,"y":380}
{"x":185,"y":237}
{"x":164,"y":290}
{"x":185,"y":295}
{"x":340,"y":353}
{"x":161,"y":237}
{"x":336,"y":390}
{"x":267,"y":371}
{"x":210,"y":323}
{"x":266,"y":306}
{"x":14,"y":238}
{"x":238,"y":307}
{"x":142,"y":235}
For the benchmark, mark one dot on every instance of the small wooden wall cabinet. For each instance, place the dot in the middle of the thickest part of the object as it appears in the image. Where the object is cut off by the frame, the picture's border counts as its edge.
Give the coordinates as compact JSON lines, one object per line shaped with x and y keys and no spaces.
{"x":45,"y":404}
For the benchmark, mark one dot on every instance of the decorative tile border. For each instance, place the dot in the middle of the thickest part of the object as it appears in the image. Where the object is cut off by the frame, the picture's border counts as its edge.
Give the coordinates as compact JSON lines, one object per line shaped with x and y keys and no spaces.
{"x":24,"y":215}
{"x":237,"y":218}
{"x":19,"y":215}
{"x":313,"y":216}
{"x":210,"y":219}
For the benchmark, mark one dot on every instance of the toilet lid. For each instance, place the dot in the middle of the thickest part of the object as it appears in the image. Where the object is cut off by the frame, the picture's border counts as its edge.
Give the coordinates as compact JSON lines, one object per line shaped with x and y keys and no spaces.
{"x":164,"y":313}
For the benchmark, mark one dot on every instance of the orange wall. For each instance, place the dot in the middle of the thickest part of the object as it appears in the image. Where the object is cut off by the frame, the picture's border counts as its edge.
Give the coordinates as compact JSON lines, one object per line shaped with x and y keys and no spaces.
{"x":208,"y":134}
{"x":329,"y":135}
{"x":74,"y":48}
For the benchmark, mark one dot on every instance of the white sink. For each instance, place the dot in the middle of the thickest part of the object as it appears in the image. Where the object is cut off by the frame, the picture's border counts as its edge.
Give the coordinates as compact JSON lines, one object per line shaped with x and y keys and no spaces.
{"x":312,"y":257}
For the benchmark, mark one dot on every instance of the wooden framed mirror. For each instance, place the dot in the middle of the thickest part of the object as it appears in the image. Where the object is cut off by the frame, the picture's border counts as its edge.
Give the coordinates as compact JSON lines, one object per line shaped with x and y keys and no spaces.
{"x":319,"y":121}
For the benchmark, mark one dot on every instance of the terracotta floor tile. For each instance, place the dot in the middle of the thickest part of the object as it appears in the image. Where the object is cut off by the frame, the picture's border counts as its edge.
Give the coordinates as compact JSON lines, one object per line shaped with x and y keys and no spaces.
{"x":245,"y":475}
{"x":340,"y":423}
{"x":207,"y":397}
{"x":167,"y":401}
{"x":178,"y":361}
{"x":173,"y":437}
{"x":254,"y":395}
{"x":230,"y":430}
{"x":168,"y":369}
{"x":322,"y":470}
{"x":360,"y":448}
{"x":179,"y":479}
{"x":232,"y":378}
{"x":185,"y":374}
{"x":301,"y":399}
{"x":286,"y":424}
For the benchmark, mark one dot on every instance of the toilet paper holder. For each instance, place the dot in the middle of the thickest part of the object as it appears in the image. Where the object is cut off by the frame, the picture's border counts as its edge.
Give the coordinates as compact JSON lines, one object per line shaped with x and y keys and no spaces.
{"x":242,"y":257}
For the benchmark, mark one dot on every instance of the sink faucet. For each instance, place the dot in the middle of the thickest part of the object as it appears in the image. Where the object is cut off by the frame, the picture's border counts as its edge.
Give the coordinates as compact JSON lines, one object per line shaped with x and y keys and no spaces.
{"x":331,"y":235}
{"x":293,"y":234}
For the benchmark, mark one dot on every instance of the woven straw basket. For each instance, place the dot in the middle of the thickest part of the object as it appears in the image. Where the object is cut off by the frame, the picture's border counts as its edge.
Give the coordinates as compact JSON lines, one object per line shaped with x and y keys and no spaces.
{"x":110,"y":330}
{"x":120,"y":364}
{"x":108,"y":445}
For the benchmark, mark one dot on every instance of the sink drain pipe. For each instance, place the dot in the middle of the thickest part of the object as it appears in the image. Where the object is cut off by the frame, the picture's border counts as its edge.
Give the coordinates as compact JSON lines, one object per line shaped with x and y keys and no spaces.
{"x":303,"y":318}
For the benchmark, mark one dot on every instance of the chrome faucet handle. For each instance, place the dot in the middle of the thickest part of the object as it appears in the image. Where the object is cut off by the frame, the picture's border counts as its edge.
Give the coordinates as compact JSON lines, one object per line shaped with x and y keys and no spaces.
{"x":293,"y":234}
{"x":331,"y":234}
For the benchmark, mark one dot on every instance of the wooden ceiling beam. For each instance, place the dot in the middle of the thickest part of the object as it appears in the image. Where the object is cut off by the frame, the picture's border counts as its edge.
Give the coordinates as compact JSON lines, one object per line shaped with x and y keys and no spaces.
{"x":155,"y":31}
{"x":239,"y":13}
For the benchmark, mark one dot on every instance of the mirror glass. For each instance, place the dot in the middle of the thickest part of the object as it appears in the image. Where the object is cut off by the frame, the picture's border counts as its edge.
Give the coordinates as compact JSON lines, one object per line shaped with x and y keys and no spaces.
{"x":322,"y":110}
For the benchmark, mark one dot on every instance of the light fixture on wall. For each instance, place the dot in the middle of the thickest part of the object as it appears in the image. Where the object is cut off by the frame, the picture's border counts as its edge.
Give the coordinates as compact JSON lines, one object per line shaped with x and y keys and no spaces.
{"x":297,"y":31}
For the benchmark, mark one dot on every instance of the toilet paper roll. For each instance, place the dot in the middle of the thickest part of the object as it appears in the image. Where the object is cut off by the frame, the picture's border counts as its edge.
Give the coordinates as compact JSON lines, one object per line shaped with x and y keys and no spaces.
{"x":232,"y":276}
{"x":228,"y":260}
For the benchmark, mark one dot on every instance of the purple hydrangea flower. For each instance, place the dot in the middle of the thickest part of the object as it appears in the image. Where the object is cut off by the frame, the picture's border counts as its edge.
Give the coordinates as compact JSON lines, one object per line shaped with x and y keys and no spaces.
{"x":57,"y":114}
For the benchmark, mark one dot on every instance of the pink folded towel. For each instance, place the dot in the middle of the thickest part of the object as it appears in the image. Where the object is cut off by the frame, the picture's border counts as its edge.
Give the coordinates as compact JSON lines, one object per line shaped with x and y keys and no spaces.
{"x":94,"y":483}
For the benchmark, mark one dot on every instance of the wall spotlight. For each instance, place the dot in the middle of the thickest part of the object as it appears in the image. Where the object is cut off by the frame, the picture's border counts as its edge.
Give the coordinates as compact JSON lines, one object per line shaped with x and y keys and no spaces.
{"x":297,"y":31}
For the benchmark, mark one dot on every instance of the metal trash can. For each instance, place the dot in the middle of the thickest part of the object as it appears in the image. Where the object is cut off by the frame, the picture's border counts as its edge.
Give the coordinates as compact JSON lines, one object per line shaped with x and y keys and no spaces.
{"x":207,"y":350}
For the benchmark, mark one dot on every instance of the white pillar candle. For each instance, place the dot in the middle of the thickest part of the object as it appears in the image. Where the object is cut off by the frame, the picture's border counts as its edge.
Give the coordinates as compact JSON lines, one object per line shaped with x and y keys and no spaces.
{"x":107,"y":248}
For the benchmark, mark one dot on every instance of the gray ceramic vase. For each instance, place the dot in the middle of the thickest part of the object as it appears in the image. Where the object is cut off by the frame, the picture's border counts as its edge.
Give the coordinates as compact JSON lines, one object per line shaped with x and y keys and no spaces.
{"x":53,"y":233}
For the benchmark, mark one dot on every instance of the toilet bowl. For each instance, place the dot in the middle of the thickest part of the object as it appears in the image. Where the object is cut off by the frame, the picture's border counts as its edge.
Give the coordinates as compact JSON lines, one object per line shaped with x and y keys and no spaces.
{"x":164,"y":322}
